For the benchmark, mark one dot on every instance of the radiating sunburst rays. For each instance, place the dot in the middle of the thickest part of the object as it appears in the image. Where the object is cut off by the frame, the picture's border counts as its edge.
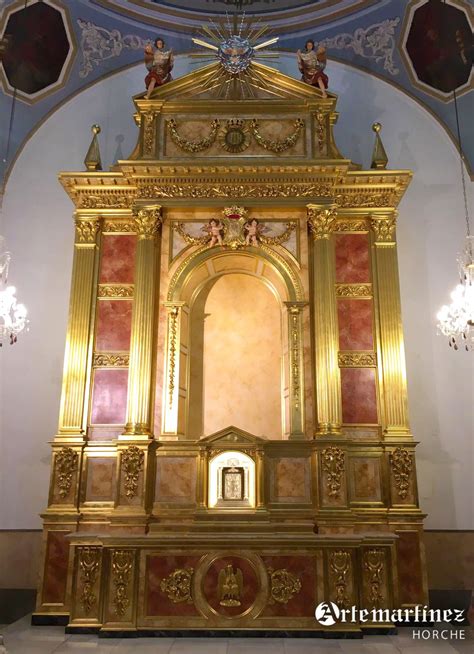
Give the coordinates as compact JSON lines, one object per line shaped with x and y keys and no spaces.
{"x":222,"y":83}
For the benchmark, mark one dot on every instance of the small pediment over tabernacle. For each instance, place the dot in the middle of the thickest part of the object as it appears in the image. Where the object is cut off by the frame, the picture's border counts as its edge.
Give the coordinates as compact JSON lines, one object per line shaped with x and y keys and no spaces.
{"x":232,"y":436}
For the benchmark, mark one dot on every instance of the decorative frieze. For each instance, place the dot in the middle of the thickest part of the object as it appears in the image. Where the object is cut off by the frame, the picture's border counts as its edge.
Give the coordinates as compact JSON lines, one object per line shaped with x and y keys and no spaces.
{"x":111,"y":360}
{"x":115,"y":291}
{"x":193,"y":146}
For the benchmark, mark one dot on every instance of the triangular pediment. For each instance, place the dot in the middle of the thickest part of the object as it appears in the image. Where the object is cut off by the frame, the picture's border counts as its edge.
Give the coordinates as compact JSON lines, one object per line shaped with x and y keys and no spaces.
{"x":232,"y":436}
{"x":261,"y":83}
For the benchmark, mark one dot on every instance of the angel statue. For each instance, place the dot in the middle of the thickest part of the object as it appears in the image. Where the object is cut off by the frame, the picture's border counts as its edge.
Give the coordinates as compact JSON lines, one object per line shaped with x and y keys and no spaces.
{"x":214,"y":228}
{"x":252,"y":231}
{"x":312,"y":63}
{"x":230,"y":586}
{"x":159,"y":64}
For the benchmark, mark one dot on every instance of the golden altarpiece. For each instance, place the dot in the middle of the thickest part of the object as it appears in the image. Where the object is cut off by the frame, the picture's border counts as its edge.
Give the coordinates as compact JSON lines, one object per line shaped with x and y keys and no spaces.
{"x":233,"y":446}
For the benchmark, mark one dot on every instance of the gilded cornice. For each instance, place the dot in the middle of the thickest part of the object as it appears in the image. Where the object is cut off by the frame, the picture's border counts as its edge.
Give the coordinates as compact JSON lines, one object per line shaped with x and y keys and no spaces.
{"x":213,"y":179}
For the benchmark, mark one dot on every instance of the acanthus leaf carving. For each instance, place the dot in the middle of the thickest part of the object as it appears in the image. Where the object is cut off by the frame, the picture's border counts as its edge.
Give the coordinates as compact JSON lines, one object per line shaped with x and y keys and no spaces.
{"x":177,"y":585}
{"x":132,"y":464}
{"x":66,"y":466}
{"x":283,"y":585}
{"x":333,"y":459}
{"x":401,"y":462}
{"x":122,"y":564}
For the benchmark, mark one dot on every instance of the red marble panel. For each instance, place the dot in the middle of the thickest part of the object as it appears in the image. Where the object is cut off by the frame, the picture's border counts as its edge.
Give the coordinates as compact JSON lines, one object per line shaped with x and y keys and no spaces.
{"x":250,"y":585}
{"x":109,"y":396}
{"x":409,"y":568}
{"x":100,"y":479}
{"x":303,"y":602}
{"x":359,"y":395}
{"x":114,"y":324}
{"x":355,"y":324}
{"x":55,"y":572}
{"x":117,"y":261}
{"x":158,"y":567}
{"x":352,"y":258}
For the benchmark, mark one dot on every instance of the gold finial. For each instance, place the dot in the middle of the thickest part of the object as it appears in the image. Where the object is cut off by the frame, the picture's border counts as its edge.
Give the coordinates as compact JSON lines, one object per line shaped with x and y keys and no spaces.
{"x":379,"y":156}
{"x":92,"y":160}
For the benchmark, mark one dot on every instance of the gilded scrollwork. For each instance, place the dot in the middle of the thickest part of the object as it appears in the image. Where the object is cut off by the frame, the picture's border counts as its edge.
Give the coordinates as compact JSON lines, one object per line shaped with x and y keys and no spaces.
{"x":294,"y":311}
{"x":321,"y":130}
{"x":354,"y":290}
{"x":247,"y":190}
{"x":384,"y":229}
{"x":340,"y":566}
{"x":333,"y":459}
{"x":173,"y":317}
{"x":177,"y":585}
{"x":115,"y":290}
{"x":107,"y":199}
{"x":401,"y":462}
{"x":283,"y":585}
{"x":111,"y":360}
{"x":321,"y":221}
{"x":180,"y":229}
{"x":66,"y":466}
{"x":192,"y":146}
{"x":149,"y":132}
{"x":357,"y":359}
{"x":122,"y":565}
{"x":371,"y":199}
{"x":281,"y":238}
{"x":277,"y":145}
{"x":132,"y":464}
{"x":114,"y":226}
{"x":86,"y":230}
{"x":351,"y":226}
{"x":89,"y":562}
{"x":147,"y":221}
{"x":374,"y":560}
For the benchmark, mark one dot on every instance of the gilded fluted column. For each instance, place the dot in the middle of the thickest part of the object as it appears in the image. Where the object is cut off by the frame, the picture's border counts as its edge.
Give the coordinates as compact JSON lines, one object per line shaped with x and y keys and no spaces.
{"x":391,"y":347}
{"x":72,"y":420}
{"x":321,"y":222}
{"x":139,"y":404}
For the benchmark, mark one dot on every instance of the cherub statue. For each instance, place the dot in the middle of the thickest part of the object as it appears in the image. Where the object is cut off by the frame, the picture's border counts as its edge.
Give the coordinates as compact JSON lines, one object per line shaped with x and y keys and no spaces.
{"x":312,"y":63}
{"x":214,"y":228}
{"x":252,"y":231}
{"x":159,"y":63}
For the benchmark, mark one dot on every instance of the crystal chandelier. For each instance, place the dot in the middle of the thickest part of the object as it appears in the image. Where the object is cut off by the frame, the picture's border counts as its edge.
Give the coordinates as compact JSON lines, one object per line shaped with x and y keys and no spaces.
{"x":12,"y":315}
{"x":456,"y":320}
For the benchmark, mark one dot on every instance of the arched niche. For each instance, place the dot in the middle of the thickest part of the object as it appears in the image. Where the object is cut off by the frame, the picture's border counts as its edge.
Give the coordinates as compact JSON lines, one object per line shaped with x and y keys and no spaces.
{"x":189,"y":289}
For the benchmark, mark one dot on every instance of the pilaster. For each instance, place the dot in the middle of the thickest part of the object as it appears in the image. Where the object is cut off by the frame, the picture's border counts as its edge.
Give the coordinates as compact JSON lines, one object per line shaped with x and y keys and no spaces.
{"x":392,"y":370}
{"x":321,"y":222}
{"x":139,"y":404}
{"x":78,"y":353}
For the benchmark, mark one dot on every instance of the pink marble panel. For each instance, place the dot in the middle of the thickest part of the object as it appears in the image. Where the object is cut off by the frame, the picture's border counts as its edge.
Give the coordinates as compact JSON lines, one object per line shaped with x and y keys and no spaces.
{"x":366,"y":479}
{"x":117,"y":261}
{"x":175,"y":479}
{"x":409,"y":567}
{"x":355,"y":324}
{"x":109,"y":396}
{"x":114,"y":324}
{"x":352,"y":258}
{"x":55,"y":573}
{"x":100,"y":479}
{"x":359,"y":395}
{"x":291,"y":480}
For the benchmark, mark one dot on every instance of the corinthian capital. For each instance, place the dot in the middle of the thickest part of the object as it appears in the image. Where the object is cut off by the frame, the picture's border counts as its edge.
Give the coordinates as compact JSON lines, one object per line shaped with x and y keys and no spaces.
{"x":147,"y":220}
{"x":86,"y":229}
{"x":384,"y":229}
{"x":321,"y":220}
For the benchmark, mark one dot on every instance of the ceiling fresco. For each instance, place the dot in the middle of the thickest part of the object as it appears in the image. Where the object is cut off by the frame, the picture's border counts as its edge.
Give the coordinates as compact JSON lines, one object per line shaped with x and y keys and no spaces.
{"x":423,"y":47}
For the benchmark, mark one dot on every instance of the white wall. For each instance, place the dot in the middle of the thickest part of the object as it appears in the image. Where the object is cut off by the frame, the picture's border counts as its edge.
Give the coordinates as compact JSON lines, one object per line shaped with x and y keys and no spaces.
{"x":38,"y":227}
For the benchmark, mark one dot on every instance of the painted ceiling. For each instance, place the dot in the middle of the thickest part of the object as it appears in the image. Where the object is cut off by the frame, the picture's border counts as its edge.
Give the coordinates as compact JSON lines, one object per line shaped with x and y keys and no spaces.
{"x":51,"y":49}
